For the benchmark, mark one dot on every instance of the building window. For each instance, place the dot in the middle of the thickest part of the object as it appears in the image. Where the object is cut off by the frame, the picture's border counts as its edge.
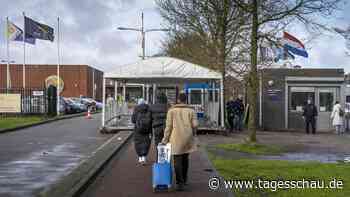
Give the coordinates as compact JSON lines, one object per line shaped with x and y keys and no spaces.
{"x":348,"y":99}
{"x":299,"y":97}
{"x":326,"y":101}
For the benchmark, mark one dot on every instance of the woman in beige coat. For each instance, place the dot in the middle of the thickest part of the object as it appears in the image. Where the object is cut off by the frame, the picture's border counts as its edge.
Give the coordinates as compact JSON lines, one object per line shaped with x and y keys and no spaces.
{"x":180,"y":127}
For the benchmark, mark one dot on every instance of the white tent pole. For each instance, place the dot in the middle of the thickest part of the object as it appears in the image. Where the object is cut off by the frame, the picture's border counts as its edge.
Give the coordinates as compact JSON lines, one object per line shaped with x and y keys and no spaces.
{"x":143,"y":91}
{"x":213,"y":91}
{"x":147,"y":93}
{"x":103,"y":101}
{"x":116,"y":90}
{"x":154,"y":94}
{"x":124,"y":92}
{"x":202,"y":97}
{"x":222,"y":102}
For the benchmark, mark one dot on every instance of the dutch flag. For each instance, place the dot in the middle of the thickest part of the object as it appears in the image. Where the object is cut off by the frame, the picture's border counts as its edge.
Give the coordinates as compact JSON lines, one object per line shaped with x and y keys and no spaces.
{"x":294,"y":45}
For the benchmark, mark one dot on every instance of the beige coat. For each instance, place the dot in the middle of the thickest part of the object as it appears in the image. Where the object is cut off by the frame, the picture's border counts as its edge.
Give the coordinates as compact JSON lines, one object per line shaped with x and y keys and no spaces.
{"x":180,"y":124}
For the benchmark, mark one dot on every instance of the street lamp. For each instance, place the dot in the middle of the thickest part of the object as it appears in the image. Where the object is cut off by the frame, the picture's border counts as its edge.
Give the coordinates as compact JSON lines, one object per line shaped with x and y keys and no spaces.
{"x":143,"y":33}
{"x":8,"y":80}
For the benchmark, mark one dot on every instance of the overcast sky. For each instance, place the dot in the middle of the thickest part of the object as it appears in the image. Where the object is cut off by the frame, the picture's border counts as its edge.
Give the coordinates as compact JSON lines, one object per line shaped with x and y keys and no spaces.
{"x":89,"y":35}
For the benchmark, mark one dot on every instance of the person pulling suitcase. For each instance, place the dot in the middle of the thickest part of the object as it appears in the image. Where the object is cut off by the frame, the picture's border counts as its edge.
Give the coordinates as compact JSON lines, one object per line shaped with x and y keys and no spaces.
{"x":181,"y":124}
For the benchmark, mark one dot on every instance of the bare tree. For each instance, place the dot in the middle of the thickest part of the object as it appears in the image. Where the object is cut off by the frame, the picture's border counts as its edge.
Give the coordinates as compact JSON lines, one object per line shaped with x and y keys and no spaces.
{"x":214,"y":27}
{"x":191,"y":47}
{"x":271,"y":15}
{"x":346,"y":34}
{"x":234,"y":30}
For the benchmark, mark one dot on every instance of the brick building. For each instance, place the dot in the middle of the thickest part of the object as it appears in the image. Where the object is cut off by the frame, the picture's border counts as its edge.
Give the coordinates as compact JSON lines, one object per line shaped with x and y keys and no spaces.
{"x":79,"y":80}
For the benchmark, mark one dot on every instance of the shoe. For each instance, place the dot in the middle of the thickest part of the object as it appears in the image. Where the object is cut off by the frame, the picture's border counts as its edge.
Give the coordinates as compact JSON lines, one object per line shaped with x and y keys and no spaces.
{"x":143,"y":162}
{"x":180,"y":187}
{"x":140,"y":160}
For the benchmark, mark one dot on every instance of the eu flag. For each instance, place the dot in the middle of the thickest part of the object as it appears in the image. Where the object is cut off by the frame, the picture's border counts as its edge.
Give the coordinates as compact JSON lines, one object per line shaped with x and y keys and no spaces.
{"x":38,"y":30}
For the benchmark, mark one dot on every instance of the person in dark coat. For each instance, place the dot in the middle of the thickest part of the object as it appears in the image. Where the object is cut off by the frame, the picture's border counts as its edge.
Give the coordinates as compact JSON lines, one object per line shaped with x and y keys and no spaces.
{"x":159,"y":111}
{"x":142,"y":138}
{"x":309,"y":115}
{"x":238,"y":111}
{"x":230,"y":113}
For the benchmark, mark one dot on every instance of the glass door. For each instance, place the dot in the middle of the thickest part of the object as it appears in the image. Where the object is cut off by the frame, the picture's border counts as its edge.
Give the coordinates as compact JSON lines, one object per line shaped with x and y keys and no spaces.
{"x":326,"y":100}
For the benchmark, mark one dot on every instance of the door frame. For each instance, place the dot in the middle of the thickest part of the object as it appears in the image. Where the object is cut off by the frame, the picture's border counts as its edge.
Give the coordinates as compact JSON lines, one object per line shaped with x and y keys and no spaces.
{"x":289,"y":84}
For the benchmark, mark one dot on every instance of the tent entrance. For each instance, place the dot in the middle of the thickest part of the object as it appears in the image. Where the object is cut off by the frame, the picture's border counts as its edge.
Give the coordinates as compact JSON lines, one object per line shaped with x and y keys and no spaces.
{"x":124,"y":86}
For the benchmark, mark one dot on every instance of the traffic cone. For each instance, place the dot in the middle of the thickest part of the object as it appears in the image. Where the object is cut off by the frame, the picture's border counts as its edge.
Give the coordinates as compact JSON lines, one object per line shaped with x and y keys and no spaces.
{"x":88,"y":115}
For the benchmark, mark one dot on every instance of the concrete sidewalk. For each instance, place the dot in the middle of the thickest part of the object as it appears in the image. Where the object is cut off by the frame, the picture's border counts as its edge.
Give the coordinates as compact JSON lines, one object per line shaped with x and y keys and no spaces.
{"x":124,"y":177}
{"x":35,"y":158}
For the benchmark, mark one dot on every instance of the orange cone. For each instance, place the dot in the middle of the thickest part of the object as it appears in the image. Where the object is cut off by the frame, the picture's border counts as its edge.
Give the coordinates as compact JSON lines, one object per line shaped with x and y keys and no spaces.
{"x":88,"y":115}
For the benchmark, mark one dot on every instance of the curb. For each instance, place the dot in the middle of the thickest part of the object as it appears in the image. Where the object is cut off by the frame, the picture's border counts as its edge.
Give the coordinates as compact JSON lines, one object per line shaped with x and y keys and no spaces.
{"x":204,"y":155}
{"x":43,"y":122}
{"x":73,"y":183}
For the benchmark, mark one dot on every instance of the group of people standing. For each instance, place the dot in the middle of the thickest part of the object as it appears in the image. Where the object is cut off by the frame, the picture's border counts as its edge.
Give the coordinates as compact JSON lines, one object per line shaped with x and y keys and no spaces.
{"x":235,"y":113}
{"x":310,"y":116}
{"x":170,"y":124}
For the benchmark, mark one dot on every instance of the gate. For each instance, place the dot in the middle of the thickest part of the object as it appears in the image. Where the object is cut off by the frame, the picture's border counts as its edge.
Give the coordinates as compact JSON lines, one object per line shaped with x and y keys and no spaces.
{"x":33,"y":100}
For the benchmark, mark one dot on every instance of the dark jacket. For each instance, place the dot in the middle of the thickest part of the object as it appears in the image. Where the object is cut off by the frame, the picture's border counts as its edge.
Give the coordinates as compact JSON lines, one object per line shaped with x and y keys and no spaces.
{"x":230,"y":108}
{"x":238,"y":107}
{"x":159,"y":112}
{"x":138,"y":109}
{"x":235,"y":107}
{"x":142,"y":141}
{"x":309,"y":111}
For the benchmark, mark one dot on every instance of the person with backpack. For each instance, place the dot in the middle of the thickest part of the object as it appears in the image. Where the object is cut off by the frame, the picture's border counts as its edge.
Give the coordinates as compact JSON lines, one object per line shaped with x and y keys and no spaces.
{"x":159,"y":111}
{"x":142,"y":119}
{"x":337,"y":117}
{"x":181,"y":124}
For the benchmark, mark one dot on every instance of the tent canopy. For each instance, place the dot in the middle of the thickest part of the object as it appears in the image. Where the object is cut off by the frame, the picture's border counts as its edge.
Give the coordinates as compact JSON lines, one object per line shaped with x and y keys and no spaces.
{"x":163,"y":69}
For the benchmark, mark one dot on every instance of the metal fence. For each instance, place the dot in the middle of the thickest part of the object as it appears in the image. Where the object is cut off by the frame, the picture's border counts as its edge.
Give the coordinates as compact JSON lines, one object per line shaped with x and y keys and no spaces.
{"x":33,"y":100}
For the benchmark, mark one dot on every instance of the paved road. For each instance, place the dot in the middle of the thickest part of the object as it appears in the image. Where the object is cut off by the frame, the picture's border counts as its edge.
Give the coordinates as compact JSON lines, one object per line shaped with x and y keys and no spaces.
{"x":32,"y":158}
{"x":123,"y":177}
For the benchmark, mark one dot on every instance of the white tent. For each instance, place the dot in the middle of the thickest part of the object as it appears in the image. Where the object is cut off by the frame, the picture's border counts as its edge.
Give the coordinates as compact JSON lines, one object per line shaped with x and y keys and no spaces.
{"x":163,"y":70}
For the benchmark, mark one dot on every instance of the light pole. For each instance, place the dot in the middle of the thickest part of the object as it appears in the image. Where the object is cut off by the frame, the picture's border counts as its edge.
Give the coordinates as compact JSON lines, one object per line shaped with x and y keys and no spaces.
{"x":7,"y":72}
{"x":143,"y":33}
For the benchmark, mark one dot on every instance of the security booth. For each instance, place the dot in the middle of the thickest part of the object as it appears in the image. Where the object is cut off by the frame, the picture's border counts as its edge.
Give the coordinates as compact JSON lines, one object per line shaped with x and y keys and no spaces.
{"x":161,"y":74}
{"x":284,"y":92}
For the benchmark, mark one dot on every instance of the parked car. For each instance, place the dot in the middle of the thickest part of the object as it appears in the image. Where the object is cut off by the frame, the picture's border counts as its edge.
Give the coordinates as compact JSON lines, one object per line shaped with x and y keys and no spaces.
{"x":76,"y":106}
{"x":65,"y":107}
{"x":99,"y":105}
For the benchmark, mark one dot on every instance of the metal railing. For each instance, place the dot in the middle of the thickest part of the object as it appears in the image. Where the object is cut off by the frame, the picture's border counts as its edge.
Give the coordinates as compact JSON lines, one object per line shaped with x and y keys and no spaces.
{"x":33,"y":100}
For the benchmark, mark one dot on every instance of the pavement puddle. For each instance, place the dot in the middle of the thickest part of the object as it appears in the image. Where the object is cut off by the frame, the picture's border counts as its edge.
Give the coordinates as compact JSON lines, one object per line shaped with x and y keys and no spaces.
{"x":299,"y":156}
{"x":320,"y":157}
{"x":26,"y":176}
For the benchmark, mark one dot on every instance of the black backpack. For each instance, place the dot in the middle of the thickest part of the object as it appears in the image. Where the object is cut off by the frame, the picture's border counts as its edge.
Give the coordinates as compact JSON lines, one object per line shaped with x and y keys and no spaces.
{"x":143,"y":122}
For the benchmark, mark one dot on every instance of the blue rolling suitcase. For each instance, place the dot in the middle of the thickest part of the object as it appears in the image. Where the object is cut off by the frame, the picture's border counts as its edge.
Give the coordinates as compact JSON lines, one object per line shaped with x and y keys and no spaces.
{"x":162,"y":170}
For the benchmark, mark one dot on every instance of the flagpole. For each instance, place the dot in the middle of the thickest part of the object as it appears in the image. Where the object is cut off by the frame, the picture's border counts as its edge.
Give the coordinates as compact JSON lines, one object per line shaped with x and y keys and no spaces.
{"x":58,"y":66}
{"x":8,"y":56}
{"x":24,"y":51}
